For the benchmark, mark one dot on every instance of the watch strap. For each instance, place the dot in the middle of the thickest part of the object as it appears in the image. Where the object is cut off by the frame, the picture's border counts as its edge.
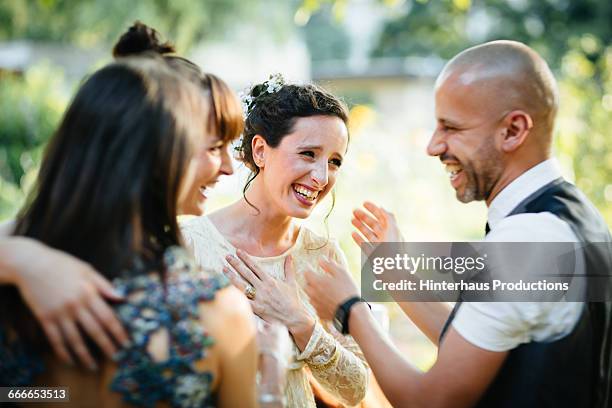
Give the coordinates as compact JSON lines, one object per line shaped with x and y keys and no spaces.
{"x":346,"y":311}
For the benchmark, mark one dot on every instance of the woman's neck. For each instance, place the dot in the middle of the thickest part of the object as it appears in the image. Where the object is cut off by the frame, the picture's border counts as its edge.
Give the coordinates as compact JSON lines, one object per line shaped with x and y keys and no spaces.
{"x":261,"y":232}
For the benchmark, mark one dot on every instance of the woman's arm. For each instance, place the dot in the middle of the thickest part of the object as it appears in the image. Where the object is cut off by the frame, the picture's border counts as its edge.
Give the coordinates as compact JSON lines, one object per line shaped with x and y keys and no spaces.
{"x":229,"y":320}
{"x":64,"y":293}
{"x":336,"y":360}
{"x":337,"y":369}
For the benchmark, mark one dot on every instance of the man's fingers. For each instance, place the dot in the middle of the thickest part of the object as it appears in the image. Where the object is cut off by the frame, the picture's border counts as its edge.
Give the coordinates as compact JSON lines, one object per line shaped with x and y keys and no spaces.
{"x":54,"y":335}
{"x":377,"y":211}
{"x":74,"y":339}
{"x":366,"y":246}
{"x":359,"y":240}
{"x":109,"y":320}
{"x":373,"y":223}
{"x":364,"y":229}
{"x":94,"y":330}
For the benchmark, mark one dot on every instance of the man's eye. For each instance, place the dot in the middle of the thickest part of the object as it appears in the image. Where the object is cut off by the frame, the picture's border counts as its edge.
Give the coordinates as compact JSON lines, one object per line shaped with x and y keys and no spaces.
{"x":336,"y":162}
{"x":216,"y":148}
{"x":308,"y":153}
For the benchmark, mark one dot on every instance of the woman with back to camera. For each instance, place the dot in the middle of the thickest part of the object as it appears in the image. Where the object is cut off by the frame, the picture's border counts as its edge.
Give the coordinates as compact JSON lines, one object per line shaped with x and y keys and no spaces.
{"x":294,"y":142}
{"x":132,"y":146}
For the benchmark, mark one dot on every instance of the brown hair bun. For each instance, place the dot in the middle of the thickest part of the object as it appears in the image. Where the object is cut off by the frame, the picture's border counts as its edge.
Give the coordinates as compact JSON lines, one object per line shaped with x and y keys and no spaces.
{"x":141,"y":38}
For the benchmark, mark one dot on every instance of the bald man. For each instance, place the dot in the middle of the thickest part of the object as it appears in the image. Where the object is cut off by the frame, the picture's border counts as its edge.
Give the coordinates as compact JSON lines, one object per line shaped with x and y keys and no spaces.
{"x":495,"y":109}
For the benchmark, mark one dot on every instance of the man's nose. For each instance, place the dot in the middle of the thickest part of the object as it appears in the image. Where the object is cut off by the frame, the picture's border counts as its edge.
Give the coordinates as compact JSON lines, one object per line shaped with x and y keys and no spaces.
{"x":437,"y":145}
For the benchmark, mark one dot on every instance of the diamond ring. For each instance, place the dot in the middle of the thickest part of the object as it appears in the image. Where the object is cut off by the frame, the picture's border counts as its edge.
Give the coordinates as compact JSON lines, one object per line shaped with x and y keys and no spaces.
{"x":250,"y":292}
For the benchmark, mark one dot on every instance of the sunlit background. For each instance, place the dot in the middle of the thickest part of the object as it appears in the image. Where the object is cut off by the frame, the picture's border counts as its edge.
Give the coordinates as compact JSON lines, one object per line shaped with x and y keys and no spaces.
{"x":380,"y":56}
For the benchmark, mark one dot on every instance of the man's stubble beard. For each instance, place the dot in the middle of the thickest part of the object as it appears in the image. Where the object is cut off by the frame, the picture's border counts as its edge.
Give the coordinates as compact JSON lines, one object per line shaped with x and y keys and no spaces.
{"x":480,"y":183}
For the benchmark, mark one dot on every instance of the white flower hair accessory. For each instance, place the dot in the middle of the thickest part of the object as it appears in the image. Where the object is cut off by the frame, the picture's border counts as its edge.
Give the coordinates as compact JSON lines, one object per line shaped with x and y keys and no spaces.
{"x":272,"y":85}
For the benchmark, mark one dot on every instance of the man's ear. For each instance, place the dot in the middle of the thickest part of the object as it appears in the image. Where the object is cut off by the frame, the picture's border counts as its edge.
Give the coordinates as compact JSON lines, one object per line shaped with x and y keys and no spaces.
{"x":258,"y":147}
{"x":517,"y":125}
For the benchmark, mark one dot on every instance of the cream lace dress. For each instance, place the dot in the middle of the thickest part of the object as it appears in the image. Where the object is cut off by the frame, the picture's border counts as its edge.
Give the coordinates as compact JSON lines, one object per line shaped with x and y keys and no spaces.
{"x":335,"y":361}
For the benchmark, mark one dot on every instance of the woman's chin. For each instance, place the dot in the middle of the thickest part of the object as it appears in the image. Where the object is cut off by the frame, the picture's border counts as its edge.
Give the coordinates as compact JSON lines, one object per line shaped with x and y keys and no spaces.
{"x":297,"y":211}
{"x":194,"y":208}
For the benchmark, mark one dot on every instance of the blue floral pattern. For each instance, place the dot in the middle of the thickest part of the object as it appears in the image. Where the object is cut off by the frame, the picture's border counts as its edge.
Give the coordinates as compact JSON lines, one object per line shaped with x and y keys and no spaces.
{"x":152,"y":306}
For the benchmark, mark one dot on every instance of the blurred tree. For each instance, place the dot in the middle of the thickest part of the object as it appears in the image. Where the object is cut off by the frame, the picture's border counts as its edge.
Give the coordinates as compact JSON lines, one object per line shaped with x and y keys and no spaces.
{"x":445,"y":27}
{"x":574,"y":36}
{"x":33,"y":105}
{"x":99,"y":22}
{"x":33,"y":101}
{"x":325,"y":37}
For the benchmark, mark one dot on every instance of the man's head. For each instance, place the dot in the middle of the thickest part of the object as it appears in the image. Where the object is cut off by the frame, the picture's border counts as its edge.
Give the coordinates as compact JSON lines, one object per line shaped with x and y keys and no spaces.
{"x":495,"y":109}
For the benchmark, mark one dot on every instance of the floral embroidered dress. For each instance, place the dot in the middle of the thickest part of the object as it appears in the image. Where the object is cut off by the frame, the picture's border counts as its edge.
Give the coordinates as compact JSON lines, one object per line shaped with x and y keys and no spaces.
{"x":152,"y":306}
{"x":334,"y":360}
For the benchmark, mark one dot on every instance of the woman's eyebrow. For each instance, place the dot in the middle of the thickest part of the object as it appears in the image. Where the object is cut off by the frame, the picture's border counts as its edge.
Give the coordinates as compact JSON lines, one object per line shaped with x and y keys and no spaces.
{"x":310,"y":147}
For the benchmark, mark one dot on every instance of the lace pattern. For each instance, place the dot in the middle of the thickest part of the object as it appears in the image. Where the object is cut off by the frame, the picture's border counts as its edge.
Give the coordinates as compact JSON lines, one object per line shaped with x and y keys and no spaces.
{"x":335,"y":361}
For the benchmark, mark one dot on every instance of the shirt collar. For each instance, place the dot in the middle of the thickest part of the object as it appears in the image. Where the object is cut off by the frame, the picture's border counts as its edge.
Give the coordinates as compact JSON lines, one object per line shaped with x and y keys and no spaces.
{"x":521,"y":188}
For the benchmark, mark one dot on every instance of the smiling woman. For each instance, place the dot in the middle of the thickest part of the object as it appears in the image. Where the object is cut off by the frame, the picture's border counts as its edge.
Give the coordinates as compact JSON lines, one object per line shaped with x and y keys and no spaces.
{"x":294,"y":142}
{"x":302,"y":120}
{"x":225,"y":120}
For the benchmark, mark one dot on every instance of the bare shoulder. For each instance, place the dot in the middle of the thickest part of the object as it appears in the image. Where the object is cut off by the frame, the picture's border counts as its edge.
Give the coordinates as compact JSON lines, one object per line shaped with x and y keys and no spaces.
{"x":231,"y":302}
{"x":228,"y":315}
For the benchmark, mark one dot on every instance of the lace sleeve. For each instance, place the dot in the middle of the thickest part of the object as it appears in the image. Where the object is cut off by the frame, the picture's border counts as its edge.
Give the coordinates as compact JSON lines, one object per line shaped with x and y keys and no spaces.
{"x":336,"y":366}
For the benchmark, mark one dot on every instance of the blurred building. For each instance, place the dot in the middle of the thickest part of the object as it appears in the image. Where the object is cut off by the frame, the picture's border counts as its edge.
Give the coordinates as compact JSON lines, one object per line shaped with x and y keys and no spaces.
{"x":17,"y":56}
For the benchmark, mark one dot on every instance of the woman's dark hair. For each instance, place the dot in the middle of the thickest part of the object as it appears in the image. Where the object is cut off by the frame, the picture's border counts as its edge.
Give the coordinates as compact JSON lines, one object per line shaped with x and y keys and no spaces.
{"x":110,"y":177}
{"x":226,"y":119}
{"x":272,"y":115}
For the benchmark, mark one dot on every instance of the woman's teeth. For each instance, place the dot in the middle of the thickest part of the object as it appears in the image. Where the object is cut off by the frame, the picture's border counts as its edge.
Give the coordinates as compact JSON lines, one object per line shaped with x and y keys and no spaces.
{"x":453,"y":170}
{"x":306,"y":193}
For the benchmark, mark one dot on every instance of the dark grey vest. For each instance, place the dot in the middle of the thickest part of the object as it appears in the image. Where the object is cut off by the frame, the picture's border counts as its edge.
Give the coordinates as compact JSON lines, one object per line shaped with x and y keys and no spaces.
{"x":574,"y":371}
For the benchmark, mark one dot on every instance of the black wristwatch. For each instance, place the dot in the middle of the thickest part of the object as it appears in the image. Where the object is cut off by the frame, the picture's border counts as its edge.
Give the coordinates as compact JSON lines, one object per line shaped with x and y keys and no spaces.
{"x":341,"y":319}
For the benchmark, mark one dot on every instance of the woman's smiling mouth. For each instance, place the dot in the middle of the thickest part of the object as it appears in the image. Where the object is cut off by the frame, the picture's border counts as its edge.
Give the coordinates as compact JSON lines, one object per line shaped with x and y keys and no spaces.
{"x":305,"y":195}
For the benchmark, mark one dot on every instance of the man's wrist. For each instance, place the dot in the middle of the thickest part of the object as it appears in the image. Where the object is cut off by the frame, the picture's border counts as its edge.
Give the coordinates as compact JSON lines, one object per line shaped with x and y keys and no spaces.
{"x":343,"y":313}
{"x":359,"y":310}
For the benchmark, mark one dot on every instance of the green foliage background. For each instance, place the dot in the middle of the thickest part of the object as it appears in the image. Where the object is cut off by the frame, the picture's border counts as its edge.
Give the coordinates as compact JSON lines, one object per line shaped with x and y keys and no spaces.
{"x":573,"y":35}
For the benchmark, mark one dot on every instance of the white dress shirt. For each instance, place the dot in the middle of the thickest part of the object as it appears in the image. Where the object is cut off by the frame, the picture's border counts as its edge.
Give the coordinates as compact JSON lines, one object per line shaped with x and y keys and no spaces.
{"x":502,"y":326}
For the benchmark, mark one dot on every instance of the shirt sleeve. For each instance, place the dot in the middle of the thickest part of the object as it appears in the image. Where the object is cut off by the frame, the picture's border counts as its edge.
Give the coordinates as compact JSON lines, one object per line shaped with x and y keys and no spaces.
{"x":502,"y":326}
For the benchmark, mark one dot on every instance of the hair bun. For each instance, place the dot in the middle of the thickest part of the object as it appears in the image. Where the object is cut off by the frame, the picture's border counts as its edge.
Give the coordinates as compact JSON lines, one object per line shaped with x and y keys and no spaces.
{"x":141,"y":38}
